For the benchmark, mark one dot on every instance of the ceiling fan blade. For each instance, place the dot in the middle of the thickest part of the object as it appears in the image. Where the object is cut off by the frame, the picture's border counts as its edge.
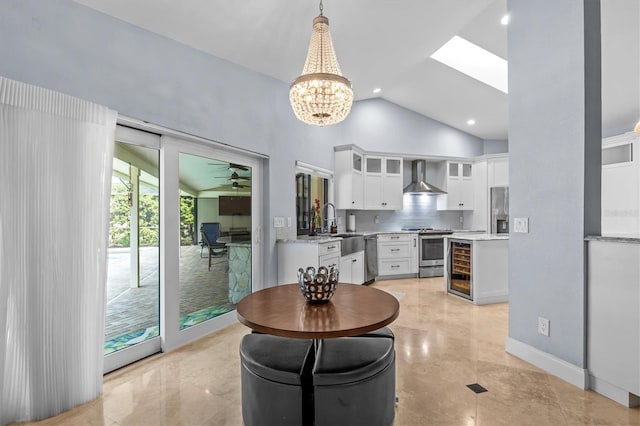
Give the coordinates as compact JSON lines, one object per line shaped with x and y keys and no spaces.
{"x":230,"y":187}
{"x":238,"y":166}
{"x":234,"y":176}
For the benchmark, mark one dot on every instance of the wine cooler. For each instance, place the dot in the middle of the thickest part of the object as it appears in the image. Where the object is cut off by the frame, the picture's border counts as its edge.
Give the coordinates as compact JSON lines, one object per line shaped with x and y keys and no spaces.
{"x":459,"y":279}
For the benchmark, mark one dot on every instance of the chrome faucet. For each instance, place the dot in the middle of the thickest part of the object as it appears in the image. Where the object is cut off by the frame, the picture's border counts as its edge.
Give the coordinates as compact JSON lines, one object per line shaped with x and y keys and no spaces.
{"x":326,"y":205}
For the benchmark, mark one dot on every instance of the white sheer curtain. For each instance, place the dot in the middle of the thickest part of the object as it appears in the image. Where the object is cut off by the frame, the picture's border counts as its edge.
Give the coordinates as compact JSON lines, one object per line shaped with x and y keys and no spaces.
{"x":55,"y":179}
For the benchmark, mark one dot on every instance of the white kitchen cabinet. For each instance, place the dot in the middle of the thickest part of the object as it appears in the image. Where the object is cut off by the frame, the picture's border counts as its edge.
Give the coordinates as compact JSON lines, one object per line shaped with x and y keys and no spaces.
{"x":349,"y":178}
{"x":352,"y":268}
{"x":458,"y":183}
{"x":620,"y":185}
{"x":613,"y":319}
{"x":481,"y":216}
{"x":295,"y":254}
{"x":498,"y":171}
{"x":415,"y":264}
{"x":394,"y":254}
{"x":382,"y":183}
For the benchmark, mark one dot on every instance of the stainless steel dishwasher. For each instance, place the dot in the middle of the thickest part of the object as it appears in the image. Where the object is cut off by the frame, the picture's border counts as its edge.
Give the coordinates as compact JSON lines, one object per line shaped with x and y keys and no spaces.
{"x":370,"y":258}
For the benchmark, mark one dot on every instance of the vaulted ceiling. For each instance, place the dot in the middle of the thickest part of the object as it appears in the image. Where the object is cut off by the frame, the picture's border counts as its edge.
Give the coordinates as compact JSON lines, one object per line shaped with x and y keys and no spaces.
{"x":387,"y":44}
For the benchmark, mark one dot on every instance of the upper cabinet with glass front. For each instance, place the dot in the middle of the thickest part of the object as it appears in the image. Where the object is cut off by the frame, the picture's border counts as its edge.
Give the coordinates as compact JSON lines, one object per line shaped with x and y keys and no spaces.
{"x":349,"y":179}
{"x":459,"y":187}
{"x":383,"y":183}
{"x":367,"y":182}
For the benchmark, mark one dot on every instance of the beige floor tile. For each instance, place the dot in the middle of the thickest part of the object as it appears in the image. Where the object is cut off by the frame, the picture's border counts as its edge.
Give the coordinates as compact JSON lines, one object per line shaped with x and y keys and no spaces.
{"x":443,"y":344}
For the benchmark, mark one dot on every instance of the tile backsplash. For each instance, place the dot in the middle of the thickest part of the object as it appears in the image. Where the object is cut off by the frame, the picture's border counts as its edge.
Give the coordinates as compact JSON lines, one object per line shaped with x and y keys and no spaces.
{"x":418,"y":211}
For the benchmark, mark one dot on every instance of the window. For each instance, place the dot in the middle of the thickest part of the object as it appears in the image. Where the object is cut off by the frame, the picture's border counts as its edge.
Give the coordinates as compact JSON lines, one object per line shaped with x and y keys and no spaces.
{"x":312,"y":184}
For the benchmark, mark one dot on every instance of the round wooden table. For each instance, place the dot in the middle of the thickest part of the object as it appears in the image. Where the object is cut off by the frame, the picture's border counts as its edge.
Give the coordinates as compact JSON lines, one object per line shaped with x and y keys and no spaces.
{"x":283,"y":311}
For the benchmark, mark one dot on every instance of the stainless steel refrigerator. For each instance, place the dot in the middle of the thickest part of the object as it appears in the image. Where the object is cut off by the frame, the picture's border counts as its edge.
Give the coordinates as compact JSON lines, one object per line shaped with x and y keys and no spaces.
{"x":500,"y":210}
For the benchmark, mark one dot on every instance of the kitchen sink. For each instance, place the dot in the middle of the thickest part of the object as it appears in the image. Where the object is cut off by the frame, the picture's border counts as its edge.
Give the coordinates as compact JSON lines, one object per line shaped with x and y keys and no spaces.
{"x":351,"y":243}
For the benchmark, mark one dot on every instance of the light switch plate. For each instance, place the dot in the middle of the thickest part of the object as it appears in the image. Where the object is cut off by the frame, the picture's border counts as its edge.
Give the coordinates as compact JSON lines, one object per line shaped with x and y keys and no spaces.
{"x":289,"y":222}
{"x":521,"y":224}
{"x":278,"y":222}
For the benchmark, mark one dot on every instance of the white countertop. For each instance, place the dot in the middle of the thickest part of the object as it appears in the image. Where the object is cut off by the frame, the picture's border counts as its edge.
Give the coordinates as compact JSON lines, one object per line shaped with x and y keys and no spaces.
{"x":478,"y":237}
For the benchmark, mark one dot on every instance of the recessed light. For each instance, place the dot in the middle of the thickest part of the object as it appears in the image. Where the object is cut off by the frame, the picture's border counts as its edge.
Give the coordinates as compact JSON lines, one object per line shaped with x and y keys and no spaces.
{"x":505,"y":20}
{"x":377,"y":90}
{"x":471,"y":122}
{"x":474,"y":61}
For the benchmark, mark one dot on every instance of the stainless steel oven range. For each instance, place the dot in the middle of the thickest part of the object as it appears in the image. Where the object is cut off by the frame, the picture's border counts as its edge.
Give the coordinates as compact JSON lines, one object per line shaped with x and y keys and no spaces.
{"x":430,"y":251}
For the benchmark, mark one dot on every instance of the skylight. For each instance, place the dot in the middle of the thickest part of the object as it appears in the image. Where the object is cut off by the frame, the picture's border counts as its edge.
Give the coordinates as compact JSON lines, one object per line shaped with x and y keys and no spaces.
{"x":474,"y":61}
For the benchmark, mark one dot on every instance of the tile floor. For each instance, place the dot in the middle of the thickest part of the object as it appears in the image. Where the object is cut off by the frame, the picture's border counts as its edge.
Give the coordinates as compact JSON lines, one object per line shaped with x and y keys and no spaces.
{"x":200,"y":288}
{"x":442,"y":345}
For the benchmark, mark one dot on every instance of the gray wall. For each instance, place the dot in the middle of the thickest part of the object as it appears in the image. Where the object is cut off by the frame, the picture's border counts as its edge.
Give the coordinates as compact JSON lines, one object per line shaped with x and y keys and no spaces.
{"x":492,"y":146}
{"x":64,"y":46}
{"x":378,"y":125}
{"x":554,"y":167}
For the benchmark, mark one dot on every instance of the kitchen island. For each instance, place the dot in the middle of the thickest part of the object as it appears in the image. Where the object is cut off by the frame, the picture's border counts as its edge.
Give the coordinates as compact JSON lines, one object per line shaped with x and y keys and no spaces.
{"x":477,"y":266}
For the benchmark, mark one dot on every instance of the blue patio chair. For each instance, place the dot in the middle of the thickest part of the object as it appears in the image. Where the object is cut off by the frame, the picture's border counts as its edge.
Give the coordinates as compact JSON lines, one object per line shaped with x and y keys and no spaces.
{"x":210,"y":232}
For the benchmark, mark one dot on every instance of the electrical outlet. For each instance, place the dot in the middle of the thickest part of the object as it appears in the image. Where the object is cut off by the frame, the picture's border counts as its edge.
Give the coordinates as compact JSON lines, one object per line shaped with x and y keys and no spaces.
{"x":376,"y":219}
{"x":278,"y":222}
{"x":521,"y":224}
{"x":543,"y":326}
{"x":289,"y":222}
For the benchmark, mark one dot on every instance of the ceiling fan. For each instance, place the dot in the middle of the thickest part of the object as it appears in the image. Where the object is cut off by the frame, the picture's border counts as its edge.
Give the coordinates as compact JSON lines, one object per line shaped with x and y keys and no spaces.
{"x":231,"y":166}
{"x":234,"y":176}
{"x":232,"y":186}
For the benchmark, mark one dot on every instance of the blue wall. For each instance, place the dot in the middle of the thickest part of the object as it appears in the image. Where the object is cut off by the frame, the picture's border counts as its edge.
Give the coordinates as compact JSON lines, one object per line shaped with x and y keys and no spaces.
{"x":554,"y":168}
{"x":64,"y":46}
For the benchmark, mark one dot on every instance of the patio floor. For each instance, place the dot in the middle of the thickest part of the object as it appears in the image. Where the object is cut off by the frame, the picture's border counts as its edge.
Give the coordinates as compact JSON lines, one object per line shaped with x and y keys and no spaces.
{"x":133,"y":309}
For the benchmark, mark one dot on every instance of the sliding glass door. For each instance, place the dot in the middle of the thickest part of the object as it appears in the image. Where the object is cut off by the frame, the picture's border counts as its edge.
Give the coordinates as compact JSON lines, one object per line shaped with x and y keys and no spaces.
{"x":132,"y":323}
{"x":185,"y":242}
{"x":215,"y":237}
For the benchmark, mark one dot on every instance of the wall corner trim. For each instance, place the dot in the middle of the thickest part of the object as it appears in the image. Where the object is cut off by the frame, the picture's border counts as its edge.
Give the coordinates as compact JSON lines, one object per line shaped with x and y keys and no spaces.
{"x":568,"y":372}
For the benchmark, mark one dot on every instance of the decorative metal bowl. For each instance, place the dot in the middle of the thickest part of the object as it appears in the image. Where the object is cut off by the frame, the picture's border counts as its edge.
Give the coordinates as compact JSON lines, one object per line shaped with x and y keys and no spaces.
{"x":318,"y":287}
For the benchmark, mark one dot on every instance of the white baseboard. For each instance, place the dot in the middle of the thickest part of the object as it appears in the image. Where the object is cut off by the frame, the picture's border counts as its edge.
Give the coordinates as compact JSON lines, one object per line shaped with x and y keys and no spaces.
{"x":488,"y":298}
{"x":613,"y":392}
{"x":551,"y":364}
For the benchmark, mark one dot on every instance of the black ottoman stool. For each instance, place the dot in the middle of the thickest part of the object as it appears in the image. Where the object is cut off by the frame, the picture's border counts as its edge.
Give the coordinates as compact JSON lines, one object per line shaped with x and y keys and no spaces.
{"x":354,"y":381}
{"x":270,"y":375}
{"x":381,"y":332}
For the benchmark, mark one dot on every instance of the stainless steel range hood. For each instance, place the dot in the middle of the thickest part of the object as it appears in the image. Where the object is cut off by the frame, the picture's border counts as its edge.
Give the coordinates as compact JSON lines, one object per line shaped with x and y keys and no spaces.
{"x":418,"y":183}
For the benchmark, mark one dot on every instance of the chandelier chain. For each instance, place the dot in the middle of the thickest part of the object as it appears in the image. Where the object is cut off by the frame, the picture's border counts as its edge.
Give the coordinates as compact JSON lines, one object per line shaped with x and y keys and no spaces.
{"x":321,"y":7}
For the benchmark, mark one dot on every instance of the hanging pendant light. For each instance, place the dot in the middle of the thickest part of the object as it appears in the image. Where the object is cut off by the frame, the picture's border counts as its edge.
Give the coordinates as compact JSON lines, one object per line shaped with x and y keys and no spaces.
{"x":321,"y":95}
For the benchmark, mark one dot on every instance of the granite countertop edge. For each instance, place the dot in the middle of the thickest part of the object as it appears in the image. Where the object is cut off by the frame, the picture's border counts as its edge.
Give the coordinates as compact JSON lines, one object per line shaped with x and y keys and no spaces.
{"x":313,"y":240}
{"x":327,"y":238}
{"x":478,"y":237}
{"x":613,"y":239}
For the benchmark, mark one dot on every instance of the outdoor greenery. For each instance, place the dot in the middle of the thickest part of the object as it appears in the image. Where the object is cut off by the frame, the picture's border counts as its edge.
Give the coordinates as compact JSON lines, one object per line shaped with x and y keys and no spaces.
{"x":187,"y":220}
{"x":149,"y":220}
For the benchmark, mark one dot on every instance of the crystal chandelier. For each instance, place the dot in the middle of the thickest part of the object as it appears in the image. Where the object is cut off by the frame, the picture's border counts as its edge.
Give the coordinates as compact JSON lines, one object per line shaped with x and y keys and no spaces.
{"x":321,"y":95}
